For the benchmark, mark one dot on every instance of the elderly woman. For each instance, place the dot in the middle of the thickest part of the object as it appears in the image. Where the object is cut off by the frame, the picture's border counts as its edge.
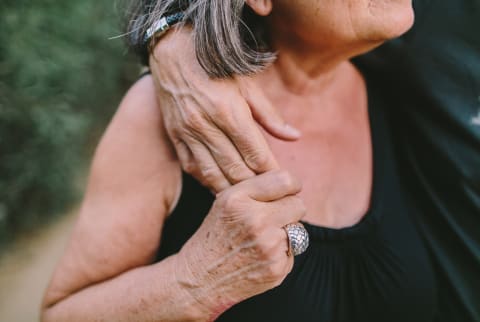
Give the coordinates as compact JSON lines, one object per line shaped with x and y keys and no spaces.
{"x":154,"y":244}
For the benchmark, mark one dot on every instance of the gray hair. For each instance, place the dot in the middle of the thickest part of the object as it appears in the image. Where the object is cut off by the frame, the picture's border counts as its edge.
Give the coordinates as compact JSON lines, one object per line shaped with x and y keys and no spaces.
{"x":230,"y":39}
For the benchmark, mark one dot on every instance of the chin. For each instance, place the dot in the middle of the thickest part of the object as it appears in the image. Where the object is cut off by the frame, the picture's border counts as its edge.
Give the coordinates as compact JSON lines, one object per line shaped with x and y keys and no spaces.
{"x":394,"y":24}
{"x":384,"y":28}
{"x":402,"y":23}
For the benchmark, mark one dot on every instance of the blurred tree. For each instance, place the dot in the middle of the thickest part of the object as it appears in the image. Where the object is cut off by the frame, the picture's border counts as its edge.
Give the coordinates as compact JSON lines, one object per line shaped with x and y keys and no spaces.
{"x":60,"y":79}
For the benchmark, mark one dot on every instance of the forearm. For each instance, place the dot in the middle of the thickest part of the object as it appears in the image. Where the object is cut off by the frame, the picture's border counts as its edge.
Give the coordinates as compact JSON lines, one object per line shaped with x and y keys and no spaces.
{"x":239,"y":251}
{"x":149,"y":293}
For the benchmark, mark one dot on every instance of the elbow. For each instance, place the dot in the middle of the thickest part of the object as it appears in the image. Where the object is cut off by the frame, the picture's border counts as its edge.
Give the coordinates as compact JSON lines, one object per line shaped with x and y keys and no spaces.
{"x":47,"y":314}
{"x":53,"y":313}
{"x":50,"y":303}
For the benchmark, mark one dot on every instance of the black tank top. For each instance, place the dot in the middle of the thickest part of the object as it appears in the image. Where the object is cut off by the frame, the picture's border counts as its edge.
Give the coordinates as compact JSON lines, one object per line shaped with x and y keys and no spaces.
{"x":376,"y":270}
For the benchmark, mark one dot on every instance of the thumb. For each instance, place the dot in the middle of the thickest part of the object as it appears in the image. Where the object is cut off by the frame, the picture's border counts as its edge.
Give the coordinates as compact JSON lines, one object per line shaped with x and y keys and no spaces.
{"x":268,"y":117}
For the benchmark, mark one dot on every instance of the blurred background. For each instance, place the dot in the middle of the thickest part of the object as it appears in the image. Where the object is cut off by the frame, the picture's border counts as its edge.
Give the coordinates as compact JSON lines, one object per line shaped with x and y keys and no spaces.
{"x":61,"y":78}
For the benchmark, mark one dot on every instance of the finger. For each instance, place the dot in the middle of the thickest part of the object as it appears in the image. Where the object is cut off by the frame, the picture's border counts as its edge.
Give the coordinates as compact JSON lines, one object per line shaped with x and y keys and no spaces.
{"x":270,"y":186}
{"x":267,"y":116}
{"x":289,"y":263}
{"x":208,"y":172}
{"x":290,"y":258}
{"x":200,"y":132}
{"x":202,"y":127}
{"x":285,"y":211}
{"x":185,"y":156}
{"x":227,"y":157}
{"x":244,"y":133}
{"x":281,"y":251}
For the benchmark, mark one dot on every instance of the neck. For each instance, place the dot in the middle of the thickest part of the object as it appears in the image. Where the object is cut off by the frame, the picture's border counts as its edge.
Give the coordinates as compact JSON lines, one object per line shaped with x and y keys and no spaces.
{"x":308,"y":75}
{"x":305,"y":69}
{"x":301,"y":73}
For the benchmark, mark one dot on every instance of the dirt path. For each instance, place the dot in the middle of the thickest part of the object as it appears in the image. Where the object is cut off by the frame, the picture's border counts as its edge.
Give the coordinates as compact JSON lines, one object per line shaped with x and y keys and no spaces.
{"x":26,"y":268}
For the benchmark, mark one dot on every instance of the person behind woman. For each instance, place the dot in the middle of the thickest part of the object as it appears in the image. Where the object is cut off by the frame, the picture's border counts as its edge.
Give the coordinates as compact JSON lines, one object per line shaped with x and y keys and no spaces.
{"x":153,"y":244}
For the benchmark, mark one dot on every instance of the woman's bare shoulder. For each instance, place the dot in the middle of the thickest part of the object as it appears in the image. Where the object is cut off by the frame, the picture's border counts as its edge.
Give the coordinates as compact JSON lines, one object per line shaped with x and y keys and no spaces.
{"x":135,"y":148}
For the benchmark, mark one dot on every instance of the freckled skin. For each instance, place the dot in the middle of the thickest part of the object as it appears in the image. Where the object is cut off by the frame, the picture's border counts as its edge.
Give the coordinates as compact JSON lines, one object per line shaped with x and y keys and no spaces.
{"x":334,"y":124}
{"x":335,"y":131}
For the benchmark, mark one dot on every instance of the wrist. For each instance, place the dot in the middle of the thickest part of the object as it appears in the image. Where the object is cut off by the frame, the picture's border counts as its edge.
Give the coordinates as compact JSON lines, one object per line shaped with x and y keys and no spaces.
{"x":145,"y":30}
{"x":193,"y":290}
{"x":202,"y":287}
{"x":173,"y":42}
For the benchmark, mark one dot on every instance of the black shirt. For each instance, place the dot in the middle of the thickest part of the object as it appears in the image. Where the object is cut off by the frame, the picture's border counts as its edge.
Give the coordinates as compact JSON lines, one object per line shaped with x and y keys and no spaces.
{"x":432,"y":77}
{"x":375,"y":271}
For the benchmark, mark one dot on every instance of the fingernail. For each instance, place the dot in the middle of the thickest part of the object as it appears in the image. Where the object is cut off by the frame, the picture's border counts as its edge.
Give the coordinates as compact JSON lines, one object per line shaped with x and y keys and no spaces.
{"x":292,"y":131}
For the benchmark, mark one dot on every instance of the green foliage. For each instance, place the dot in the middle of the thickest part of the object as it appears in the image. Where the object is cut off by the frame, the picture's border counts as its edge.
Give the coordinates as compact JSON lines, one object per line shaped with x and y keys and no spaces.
{"x":60,"y":80}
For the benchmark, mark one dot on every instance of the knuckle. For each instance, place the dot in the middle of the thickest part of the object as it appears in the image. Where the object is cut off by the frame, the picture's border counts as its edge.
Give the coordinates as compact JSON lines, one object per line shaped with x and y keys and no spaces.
{"x":194,"y":121}
{"x":189,"y":167}
{"x":211,"y":174}
{"x":231,"y":200}
{"x":219,"y":185}
{"x":238,"y":172}
{"x":258,"y":160}
{"x":269,"y":247}
{"x":219,"y":103}
{"x":299,"y":205}
{"x":285,"y":179}
{"x":255,"y":228}
{"x":223,"y":113}
{"x":276,"y":271}
{"x":174,"y":134}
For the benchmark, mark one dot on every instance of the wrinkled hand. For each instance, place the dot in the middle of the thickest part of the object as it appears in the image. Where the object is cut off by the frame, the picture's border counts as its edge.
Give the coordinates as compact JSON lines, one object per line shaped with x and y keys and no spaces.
{"x":212,"y":122}
{"x":240,"y":250}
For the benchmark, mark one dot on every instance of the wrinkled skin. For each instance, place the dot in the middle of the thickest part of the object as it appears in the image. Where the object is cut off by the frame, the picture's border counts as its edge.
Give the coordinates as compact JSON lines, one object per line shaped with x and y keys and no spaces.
{"x":212,"y":122}
{"x":239,"y":251}
{"x":215,"y":136}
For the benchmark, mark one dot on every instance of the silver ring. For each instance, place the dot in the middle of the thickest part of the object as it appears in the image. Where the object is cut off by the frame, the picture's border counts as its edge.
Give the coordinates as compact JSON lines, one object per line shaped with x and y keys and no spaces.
{"x":298,"y":238}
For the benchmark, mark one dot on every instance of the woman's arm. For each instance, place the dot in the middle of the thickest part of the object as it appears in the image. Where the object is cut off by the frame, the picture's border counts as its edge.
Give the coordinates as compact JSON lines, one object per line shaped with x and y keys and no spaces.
{"x":134,"y":181}
{"x":107,"y":274}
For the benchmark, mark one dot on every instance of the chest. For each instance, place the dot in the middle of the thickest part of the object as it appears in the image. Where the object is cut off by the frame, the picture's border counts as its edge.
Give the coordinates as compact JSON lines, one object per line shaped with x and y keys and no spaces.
{"x":334,"y":163}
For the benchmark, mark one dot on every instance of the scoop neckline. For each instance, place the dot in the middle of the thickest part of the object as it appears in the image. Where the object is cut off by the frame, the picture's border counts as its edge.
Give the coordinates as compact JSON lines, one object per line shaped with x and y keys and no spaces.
{"x":367,"y":223}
